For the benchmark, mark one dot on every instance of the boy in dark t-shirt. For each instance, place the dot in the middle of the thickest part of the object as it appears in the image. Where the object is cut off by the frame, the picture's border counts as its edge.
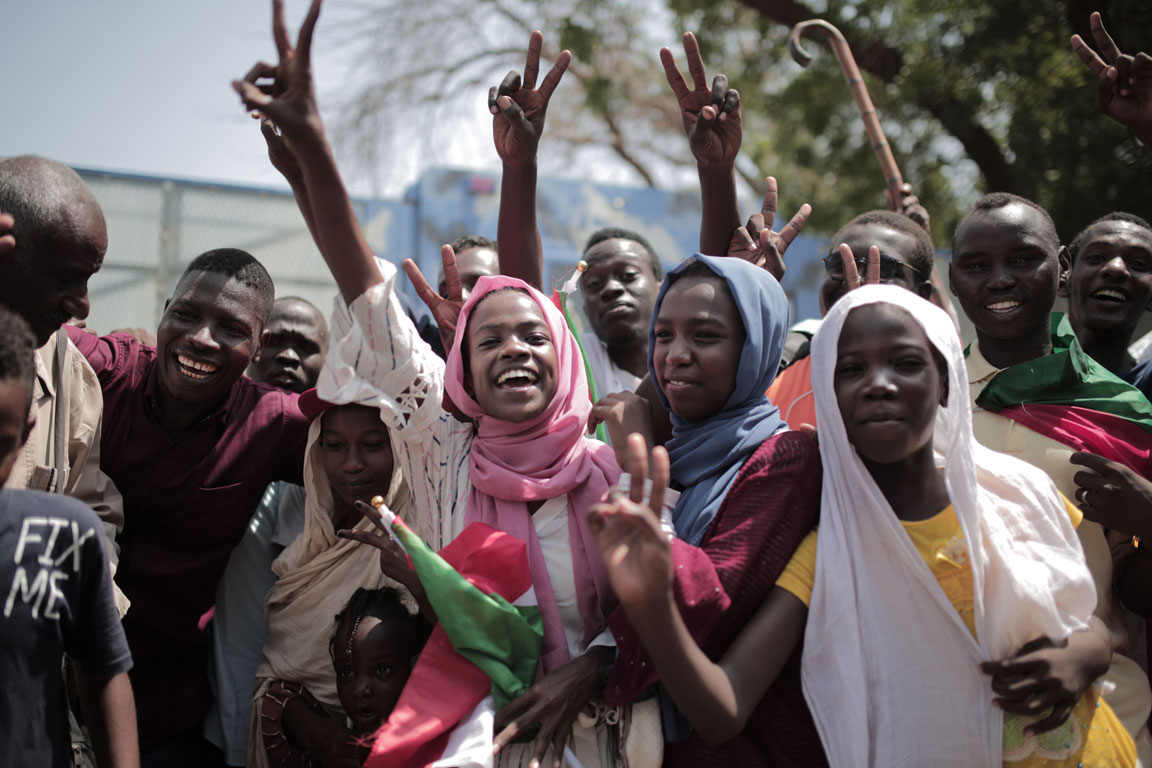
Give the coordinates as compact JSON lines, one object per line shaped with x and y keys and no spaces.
{"x":55,"y":598}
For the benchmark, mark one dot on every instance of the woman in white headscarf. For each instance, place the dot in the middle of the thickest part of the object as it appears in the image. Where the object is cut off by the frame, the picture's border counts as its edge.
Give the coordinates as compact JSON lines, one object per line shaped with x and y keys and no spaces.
{"x":950,"y":608}
{"x":297,"y":718}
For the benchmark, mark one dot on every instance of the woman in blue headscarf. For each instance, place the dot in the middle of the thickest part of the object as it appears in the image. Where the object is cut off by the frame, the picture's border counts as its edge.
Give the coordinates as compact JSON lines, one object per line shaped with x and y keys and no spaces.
{"x":749,"y":493}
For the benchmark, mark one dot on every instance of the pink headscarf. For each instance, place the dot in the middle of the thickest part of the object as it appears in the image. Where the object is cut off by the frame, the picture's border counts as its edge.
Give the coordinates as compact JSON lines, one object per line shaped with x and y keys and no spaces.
{"x":536,"y":460}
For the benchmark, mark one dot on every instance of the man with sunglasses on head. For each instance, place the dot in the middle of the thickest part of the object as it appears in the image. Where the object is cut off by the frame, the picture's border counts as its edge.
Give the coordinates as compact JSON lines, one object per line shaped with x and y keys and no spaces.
{"x":906,"y":259}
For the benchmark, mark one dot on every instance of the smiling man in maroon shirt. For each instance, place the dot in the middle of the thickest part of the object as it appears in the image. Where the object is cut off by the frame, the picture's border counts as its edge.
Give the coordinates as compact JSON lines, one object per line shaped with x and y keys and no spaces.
{"x":192,"y":444}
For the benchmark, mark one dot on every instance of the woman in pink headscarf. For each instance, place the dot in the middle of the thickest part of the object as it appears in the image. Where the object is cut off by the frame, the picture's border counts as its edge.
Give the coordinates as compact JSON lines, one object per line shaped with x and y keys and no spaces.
{"x":521,"y":464}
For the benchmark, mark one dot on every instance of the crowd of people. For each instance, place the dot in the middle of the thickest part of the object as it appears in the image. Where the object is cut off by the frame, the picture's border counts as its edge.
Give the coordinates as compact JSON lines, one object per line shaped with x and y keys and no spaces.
{"x":262,"y":536}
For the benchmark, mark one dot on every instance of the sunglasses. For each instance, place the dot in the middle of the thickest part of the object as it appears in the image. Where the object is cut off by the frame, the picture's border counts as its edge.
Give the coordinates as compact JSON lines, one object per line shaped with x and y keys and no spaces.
{"x":889,"y":268}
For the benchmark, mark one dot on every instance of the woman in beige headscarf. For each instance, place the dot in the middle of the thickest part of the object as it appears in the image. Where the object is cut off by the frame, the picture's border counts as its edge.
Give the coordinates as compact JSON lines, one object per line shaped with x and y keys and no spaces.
{"x":297,"y":719}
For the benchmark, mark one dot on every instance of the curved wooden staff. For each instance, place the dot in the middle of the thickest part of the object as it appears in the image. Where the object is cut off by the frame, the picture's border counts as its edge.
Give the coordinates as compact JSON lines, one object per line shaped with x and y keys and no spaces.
{"x":892,"y":178}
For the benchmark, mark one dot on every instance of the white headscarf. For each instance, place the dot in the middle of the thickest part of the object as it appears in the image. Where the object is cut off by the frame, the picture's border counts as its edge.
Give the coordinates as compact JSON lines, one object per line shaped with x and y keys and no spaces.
{"x":890,"y":671}
{"x":316,"y":576}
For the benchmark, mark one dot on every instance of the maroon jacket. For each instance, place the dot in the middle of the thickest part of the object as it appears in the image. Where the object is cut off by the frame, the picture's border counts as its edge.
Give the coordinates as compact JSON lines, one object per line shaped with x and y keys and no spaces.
{"x":187,"y":501}
{"x":773,"y":503}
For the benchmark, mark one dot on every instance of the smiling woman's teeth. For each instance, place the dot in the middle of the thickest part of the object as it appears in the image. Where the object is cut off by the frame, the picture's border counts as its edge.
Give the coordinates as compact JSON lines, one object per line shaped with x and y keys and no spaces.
{"x":517,"y":373}
{"x":193,"y":369}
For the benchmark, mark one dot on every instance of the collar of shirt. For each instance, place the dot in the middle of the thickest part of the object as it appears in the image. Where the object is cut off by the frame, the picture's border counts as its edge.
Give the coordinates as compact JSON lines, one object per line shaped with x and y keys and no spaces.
{"x":980,"y":371}
{"x":43,"y":361}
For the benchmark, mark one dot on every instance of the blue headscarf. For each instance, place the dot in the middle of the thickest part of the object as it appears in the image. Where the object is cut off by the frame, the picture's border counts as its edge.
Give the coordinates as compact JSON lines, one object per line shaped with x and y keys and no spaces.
{"x":707,"y":455}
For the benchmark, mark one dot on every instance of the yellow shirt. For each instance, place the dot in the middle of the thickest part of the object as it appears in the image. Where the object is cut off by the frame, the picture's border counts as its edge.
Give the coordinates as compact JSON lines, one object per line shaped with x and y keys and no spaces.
{"x":1092,"y":735}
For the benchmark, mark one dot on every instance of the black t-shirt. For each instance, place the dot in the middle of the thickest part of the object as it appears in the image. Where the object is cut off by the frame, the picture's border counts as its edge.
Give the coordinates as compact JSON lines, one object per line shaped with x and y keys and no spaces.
{"x":55,"y":598}
{"x":1141,"y":378}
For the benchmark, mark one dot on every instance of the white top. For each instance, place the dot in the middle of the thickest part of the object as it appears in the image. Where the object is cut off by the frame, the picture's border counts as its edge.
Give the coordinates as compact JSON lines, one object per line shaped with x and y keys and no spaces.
{"x":608,"y":376}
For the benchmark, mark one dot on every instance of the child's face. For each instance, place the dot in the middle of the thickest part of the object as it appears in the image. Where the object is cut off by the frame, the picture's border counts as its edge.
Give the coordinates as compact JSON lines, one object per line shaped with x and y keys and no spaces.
{"x":887,"y":382}
{"x":512,"y":357}
{"x":357,"y":453}
{"x":14,"y":425}
{"x":370,"y":678}
{"x":699,"y":336}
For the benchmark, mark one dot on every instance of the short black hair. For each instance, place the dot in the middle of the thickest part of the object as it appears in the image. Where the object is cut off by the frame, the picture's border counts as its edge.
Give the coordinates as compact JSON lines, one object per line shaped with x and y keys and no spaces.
{"x":994,"y":200}
{"x":17,"y":348}
{"x":1130,"y":218}
{"x":922,"y":258}
{"x":40,"y":194}
{"x":385,"y":604}
{"x":613,"y":233}
{"x":464,"y":242}
{"x":244,"y":268}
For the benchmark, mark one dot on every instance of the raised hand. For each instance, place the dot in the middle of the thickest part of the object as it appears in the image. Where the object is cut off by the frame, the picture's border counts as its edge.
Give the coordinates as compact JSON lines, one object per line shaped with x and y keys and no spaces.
{"x":852,"y":274}
{"x":635,"y":550}
{"x":445,"y":309}
{"x":519,"y":107}
{"x":711,"y":116}
{"x":757,"y":243}
{"x":1124,"y":87}
{"x":909,"y":205}
{"x":7,"y":241}
{"x":290,"y":101}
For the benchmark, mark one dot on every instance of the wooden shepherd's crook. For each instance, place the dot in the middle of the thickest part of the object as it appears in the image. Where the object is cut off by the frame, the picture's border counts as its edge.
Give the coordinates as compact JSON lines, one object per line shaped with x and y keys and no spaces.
{"x":859,"y":95}
{"x":892,"y":178}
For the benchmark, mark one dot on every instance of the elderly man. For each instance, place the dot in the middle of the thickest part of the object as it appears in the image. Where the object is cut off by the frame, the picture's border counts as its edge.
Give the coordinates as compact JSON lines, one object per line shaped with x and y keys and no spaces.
{"x":52,"y":240}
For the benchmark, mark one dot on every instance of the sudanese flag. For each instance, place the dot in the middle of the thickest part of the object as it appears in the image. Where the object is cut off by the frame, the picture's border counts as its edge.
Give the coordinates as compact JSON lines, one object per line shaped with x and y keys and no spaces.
{"x":1072,"y":399}
{"x":483,"y":652}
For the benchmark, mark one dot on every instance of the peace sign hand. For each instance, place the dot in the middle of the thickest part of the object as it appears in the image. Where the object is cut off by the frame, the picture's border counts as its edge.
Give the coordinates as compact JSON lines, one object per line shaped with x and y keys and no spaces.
{"x":852,"y":274}
{"x":519,"y":107}
{"x":1124,"y":89}
{"x":711,"y":117}
{"x":636,"y":551}
{"x":757,"y":243}
{"x":445,"y":309}
{"x":290,"y":101}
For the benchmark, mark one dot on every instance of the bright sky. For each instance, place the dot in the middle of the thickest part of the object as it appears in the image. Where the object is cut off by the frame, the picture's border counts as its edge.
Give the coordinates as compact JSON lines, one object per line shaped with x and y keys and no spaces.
{"x":143,"y":86}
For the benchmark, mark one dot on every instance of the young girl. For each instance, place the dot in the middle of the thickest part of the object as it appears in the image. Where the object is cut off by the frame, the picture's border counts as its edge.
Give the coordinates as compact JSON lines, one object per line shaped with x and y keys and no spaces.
{"x":954,"y":637}
{"x":751,"y":491}
{"x":377,"y":639}
{"x":296,"y":706}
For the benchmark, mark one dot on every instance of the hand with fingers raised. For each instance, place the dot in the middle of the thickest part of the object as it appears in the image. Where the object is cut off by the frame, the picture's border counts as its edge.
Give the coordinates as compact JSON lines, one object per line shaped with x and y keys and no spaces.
{"x":711,"y":116}
{"x":1124,"y":81}
{"x":518,"y":107}
{"x":851,"y":270}
{"x":636,"y":552}
{"x":289,"y":101}
{"x":757,"y":243}
{"x":445,"y":309}
{"x":394,"y":562}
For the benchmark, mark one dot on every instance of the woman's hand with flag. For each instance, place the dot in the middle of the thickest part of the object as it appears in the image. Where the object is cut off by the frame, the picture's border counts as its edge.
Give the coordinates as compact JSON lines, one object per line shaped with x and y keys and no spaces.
{"x":394,"y":562}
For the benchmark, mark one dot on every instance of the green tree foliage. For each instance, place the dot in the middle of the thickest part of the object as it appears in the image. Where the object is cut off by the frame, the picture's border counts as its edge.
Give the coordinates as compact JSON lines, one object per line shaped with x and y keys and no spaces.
{"x":974,"y":95}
